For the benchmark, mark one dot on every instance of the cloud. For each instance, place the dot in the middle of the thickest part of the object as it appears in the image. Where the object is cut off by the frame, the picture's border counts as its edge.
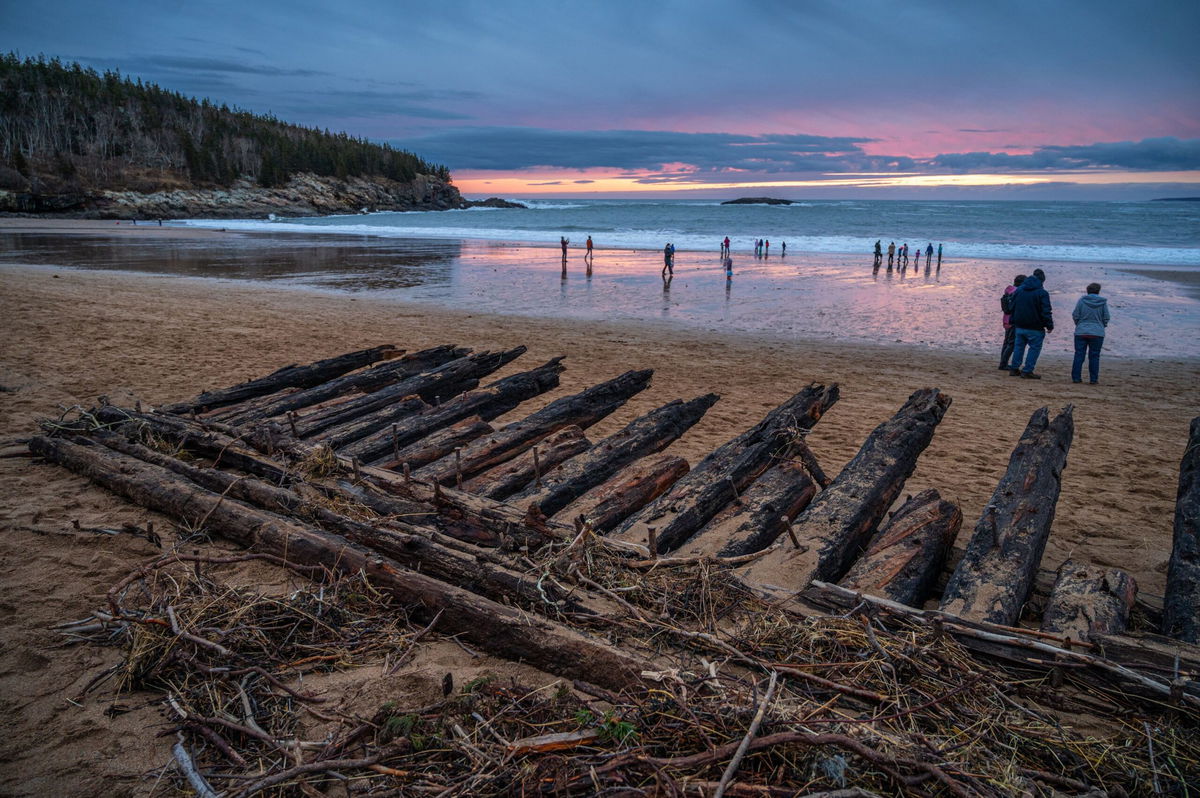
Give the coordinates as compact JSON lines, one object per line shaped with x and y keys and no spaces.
{"x":507,"y":148}
{"x":1167,"y":154}
{"x":189,"y":65}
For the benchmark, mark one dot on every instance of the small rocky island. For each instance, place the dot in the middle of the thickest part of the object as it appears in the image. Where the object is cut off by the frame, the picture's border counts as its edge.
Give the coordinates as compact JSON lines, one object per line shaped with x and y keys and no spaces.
{"x":757,"y":201}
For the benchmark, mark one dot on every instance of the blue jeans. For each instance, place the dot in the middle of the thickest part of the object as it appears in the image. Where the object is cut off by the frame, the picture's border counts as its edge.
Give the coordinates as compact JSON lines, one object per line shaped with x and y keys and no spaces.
{"x":1087,"y":345}
{"x":1033,"y":339}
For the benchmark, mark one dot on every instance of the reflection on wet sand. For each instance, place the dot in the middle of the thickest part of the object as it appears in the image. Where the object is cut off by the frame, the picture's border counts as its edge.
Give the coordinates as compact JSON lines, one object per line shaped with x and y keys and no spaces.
{"x":823,"y":296}
{"x":369,"y":264}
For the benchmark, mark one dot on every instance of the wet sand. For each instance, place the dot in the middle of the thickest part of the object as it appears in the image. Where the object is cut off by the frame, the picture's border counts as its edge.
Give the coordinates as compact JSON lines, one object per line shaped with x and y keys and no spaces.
{"x":71,"y":336}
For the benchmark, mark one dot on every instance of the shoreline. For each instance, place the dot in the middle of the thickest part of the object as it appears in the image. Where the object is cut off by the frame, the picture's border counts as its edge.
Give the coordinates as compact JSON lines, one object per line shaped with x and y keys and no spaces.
{"x":799,"y":299}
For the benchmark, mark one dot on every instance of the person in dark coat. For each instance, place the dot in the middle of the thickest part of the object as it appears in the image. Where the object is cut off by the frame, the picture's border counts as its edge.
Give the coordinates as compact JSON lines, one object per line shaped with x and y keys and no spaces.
{"x":1032,"y":318}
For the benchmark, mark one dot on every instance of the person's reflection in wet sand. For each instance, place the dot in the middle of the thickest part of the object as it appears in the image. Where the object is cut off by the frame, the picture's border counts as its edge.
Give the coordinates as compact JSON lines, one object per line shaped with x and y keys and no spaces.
{"x":666,"y":305}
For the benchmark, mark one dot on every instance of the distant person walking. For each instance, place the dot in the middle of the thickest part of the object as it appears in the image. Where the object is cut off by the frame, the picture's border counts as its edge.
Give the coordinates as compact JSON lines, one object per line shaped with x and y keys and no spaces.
{"x":588,"y":255}
{"x":1091,"y":321}
{"x":1032,"y":318}
{"x":878,"y":254}
{"x":766,"y":248}
{"x":669,"y":260}
{"x":782,"y":249}
{"x":725,"y":247}
{"x":891,"y":254}
{"x":928,"y":254}
{"x":939,"y":257}
{"x":728,"y":268}
{"x":1010,"y":332}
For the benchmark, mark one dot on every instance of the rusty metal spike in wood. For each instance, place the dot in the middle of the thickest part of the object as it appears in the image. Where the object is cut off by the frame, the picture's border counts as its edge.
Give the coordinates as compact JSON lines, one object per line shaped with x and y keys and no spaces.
{"x":1181,"y":603}
{"x":995,"y":575}
{"x":629,"y":490}
{"x":488,"y":403}
{"x":287,"y":377}
{"x":645,"y":435}
{"x":716,"y":480}
{"x":445,"y":381}
{"x":373,"y":379}
{"x":903,"y":561}
{"x":836,"y":527}
{"x":1089,"y":600}
{"x":582,"y":410}
{"x":435,"y":445}
{"x":760,"y":515}
{"x":507,"y":478}
{"x":497,"y":628}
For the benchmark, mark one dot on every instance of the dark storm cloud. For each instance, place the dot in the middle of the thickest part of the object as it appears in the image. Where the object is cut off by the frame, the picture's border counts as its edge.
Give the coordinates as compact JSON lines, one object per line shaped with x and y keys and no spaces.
{"x":523,"y":148}
{"x":1166,"y":154}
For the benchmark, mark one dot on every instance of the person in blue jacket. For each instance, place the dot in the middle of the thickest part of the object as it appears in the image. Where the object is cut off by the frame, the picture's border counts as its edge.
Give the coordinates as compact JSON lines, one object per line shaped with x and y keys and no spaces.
{"x":1032,"y":318}
{"x":1091,"y":319}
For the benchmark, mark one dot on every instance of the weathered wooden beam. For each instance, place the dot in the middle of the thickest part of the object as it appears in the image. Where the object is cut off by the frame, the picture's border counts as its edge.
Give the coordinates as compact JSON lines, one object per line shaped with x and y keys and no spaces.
{"x":903,"y":561}
{"x":1089,"y":600}
{"x":995,"y":575}
{"x":758,"y":517}
{"x":645,"y":435}
{"x":287,"y":377}
{"x":717,"y":479}
{"x":582,"y":410}
{"x":489,"y":402}
{"x":835,"y":528}
{"x":1181,"y":603}
{"x":435,"y":445}
{"x":629,"y":490}
{"x":507,"y":478}
{"x":367,"y":381}
{"x":444,"y":381}
{"x":506,"y":631}
{"x":342,"y":436}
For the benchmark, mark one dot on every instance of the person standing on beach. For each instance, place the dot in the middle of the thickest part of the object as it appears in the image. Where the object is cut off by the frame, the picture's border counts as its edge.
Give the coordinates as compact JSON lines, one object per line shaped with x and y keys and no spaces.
{"x":939,"y":257}
{"x":928,"y":254}
{"x":668,"y":261}
{"x":588,"y":255}
{"x":878,"y":254}
{"x":563,"y":241}
{"x":766,"y":247}
{"x":1032,"y":318}
{"x":783,"y":249}
{"x":891,"y":254}
{"x":1091,"y":320}
{"x":725,"y":247}
{"x":1010,"y":332}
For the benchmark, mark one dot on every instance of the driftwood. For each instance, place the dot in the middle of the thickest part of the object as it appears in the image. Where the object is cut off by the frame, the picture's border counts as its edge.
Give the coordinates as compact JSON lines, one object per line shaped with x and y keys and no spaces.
{"x":460,"y":563}
{"x":758,"y":517}
{"x":995,"y":575}
{"x":505,"y":631}
{"x":1181,"y":604}
{"x":1034,"y":650}
{"x":435,"y":445}
{"x":442,"y":382}
{"x":1089,"y":600}
{"x":903,"y":561}
{"x":717,"y":479}
{"x":286,"y":377}
{"x":582,"y":410}
{"x":507,"y":478}
{"x":367,"y":381}
{"x":647,"y":434}
{"x":624,"y":494}
{"x":836,"y":527}
{"x":340,"y":437}
{"x":488,"y":403}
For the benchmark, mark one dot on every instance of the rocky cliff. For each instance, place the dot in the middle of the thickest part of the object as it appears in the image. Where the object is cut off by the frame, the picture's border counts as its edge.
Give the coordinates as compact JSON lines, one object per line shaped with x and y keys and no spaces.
{"x":302,"y":195}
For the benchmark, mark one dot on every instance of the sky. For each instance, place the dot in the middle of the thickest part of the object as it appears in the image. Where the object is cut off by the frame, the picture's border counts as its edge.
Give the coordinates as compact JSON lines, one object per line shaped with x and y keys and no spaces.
{"x":1038,"y":99}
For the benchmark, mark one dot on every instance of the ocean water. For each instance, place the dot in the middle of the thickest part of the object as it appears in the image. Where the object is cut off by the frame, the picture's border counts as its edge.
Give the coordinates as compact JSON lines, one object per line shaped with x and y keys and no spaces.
{"x":1136,"y":233}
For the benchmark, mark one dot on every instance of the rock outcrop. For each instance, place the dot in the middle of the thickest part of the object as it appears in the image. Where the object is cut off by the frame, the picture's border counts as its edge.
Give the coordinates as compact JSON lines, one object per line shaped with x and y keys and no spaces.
{"x":303,"y":195}
{"x":757,"y":201}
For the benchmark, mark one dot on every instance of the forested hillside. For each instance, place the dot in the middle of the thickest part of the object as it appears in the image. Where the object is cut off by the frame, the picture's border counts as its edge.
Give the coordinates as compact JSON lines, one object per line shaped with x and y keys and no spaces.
{"x":70,"y":135}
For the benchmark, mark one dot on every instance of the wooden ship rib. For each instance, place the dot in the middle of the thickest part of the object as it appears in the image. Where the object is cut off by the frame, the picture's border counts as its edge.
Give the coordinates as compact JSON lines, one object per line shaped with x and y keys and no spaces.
{"x":460,"y":503}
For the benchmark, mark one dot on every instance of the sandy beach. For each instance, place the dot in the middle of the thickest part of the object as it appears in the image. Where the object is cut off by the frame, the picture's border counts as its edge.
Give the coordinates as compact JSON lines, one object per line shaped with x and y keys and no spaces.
{"x":70,"y":336}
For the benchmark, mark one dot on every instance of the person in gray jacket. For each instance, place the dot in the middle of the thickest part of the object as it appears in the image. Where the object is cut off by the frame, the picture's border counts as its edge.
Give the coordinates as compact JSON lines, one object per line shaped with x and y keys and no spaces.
{"x":1091,"y":319}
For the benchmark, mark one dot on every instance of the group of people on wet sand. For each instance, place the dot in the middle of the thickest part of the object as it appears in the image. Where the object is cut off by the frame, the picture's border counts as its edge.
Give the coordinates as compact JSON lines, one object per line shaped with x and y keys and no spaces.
{"x":897,"y":257}
{"x":1028,"y":318}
